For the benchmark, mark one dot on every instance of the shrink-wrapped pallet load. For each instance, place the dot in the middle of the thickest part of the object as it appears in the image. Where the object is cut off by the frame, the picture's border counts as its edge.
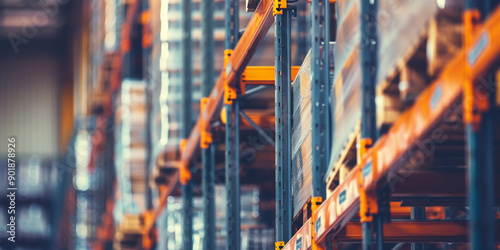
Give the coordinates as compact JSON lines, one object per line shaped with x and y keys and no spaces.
{"x":302,"y":134}
{"x":402,"y":25}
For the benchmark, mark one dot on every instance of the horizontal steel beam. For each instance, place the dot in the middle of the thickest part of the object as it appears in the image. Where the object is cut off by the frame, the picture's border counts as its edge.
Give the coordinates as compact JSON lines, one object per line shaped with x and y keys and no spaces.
{"x":262,"y":75}
{"x":412,"y":231}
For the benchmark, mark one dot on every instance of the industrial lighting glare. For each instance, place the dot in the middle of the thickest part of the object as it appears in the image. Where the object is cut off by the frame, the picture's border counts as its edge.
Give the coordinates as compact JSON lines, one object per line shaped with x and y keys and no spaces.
{"x":441,"y":3}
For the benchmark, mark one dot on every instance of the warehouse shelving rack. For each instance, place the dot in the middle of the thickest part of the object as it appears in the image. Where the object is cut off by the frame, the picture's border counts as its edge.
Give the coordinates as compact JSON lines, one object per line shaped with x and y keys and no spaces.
{"x":331,"y":219}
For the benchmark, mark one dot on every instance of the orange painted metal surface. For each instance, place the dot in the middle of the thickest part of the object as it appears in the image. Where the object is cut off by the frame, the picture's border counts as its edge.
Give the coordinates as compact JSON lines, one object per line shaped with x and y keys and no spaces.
{"x":410,"y":231}
{"x":255,"y":32}
{"x":262,"y":75}
{"x":302,"y":239}
{"x":206,"y":133}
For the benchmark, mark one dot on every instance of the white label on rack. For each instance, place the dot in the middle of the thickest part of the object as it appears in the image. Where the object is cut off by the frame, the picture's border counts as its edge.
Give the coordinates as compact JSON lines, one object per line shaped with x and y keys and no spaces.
{"x":333,"y":213}
{"x":319,"y":225}
{"x":298,"y":242}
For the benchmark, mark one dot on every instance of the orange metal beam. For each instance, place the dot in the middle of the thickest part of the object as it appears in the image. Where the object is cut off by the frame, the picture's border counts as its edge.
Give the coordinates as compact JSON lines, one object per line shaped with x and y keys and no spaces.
{"x":255,"y":32}
{"x":411,"y":231}
{"x":262,"y":75}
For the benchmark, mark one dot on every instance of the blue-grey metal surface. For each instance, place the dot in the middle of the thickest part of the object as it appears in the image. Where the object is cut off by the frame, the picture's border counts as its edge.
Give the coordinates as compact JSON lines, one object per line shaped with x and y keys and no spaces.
{"x":283,"y":111}
{"x":187,"y":190}
{"x":232,"y":140}
{"x":320,"y":64}
{"x":208,"y":154}
{"x":369,"y":67}
{"x":233,"y":177}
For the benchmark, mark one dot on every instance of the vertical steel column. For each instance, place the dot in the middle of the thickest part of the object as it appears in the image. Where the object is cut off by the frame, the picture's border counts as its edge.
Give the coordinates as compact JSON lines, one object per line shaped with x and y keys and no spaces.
{"x":232,"y":140}
{"x":233,"y":177}
{"x":302,"y":44}
{"x":149,"y":147}
{"x":187,"y":213}
{"x":319,"y":94}
{"x":481,"y":183}
{"x":187,"y":189}
{"x":480,"y":136}
{"x":283,"y":111}
{"x":232,"y":23}
{"x":369,"y":59}
{"x":208,"y":154}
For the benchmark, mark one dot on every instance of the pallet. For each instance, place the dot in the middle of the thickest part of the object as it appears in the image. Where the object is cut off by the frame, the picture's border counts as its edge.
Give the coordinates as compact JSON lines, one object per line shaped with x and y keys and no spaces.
{"x":346,"y":161}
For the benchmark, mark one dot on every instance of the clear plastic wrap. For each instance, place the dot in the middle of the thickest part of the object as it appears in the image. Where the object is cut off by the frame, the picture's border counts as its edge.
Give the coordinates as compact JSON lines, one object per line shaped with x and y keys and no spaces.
{"x":400,"y":25}
{"x":302,"y":134}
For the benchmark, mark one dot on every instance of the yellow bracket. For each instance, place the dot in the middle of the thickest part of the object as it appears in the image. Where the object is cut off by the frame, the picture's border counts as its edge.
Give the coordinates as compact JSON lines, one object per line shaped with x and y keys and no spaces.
{"x":229,"y":91}
{"x":206,"y":135}
{"x":315,"y":203}
{"x":279,"y":245}
{"x":368,"y":205}
{"x":278,"y":7}
{"x":185,"y":173}
{"x":147,"y":240}
{"x":471,"y":104}
{"x":363,"y":146}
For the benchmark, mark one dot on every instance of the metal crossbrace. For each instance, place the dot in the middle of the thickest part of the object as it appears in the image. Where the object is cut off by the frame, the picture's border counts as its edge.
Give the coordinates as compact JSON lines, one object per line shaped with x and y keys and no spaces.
{"x":283,"y":123}
{"x":208,"y":153}
{"x":257,"y":128}
{"x":187,"y":58}
{"x":232,"y":133}
{"x":369,"y":68}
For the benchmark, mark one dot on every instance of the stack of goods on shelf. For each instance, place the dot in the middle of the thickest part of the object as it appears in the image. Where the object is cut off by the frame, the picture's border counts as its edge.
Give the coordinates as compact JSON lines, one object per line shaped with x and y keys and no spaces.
{"x":251,"y":224}
{"x":403,"y":62}
{"x":130,"y":147}
{"x":302,"y":135}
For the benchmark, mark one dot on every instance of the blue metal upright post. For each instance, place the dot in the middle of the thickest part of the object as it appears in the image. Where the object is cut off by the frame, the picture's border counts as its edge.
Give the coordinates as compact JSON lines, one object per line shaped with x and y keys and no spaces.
{"x":319,"y":93}
{"x":187,"y":188}
{"x":283,"y":111}
{"x":369,"y":62}
{"x":302,"y":36}
{"x":208,"y":152}
{"x":232,"y":177}
{"x":232,"y":139}
{"x":232,"y":23}
{"x":481,"y":182}
{"x":187,"y":215}
{"x":480,"y":140}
